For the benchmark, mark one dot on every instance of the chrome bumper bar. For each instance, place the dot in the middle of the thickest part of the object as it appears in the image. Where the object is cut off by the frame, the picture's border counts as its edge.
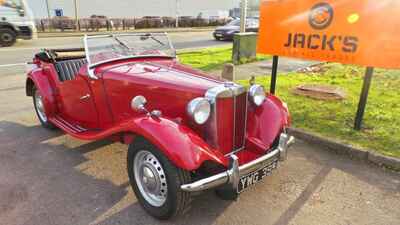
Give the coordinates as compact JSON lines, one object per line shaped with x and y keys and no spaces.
{"x":233,"y":174}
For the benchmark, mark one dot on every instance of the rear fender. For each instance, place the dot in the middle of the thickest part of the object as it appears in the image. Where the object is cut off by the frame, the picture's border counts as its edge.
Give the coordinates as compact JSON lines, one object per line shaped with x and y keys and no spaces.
{"x":36,"y":78}
{"x":178,"y":143}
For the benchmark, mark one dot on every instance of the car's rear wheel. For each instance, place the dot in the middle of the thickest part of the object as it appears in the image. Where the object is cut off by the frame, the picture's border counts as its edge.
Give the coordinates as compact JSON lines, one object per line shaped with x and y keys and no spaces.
{"x":156,"y":181}
{"x":8,"y":37}
{"x":40,"y":109}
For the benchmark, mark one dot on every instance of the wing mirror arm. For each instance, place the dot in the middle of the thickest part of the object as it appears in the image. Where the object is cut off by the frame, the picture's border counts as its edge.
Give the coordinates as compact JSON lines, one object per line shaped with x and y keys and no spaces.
{"x":138,"y":104}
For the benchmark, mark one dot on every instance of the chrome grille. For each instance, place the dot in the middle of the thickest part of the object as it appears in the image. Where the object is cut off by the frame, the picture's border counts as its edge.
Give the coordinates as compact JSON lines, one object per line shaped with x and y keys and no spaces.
{"x":226,"y":127}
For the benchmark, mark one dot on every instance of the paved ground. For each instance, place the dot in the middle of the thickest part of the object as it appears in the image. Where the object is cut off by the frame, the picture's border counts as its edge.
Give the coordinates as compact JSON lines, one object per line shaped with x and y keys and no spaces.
{"x":47,"y":178}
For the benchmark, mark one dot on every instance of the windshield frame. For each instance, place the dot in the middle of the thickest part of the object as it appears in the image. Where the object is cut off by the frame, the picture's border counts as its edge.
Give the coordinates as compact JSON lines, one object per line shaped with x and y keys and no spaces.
{"x":94,"y":65}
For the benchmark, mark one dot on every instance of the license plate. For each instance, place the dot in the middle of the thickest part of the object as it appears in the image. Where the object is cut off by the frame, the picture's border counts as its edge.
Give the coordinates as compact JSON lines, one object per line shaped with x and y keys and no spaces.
{"x":218,"y":35}
{"x":254,"y":177}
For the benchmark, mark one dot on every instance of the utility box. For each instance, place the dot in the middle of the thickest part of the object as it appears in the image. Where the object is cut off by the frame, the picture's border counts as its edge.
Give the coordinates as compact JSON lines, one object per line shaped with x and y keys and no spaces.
{"x":244,"y":47}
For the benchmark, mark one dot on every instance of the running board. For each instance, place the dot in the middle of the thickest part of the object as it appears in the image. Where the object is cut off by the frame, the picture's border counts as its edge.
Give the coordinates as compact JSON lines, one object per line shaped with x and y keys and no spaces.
{"x":67,"y":126}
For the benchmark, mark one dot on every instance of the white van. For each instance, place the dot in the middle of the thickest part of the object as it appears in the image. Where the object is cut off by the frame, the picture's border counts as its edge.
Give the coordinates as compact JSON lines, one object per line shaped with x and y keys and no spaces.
{"x":16,"y":22}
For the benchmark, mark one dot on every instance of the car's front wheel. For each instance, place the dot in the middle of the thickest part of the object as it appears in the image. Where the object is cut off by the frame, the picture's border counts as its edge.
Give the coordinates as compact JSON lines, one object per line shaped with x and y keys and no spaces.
{"x":40,"y":109}
{"x":156,"y":181}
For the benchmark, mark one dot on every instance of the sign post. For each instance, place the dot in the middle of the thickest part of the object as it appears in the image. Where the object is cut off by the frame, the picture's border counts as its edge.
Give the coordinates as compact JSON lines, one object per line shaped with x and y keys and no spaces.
{"x":274,"y":74}
{"x":77,"y":27}
{"x":363,"y":98}
{"x":363,"y":32}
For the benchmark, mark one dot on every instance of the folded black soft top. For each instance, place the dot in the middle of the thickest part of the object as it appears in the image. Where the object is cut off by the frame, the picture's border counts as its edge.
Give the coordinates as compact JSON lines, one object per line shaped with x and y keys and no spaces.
{"x":56,"y":55}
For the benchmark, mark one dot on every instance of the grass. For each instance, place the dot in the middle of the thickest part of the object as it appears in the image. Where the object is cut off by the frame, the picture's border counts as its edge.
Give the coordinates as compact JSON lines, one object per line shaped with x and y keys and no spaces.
{"x":210,"y":58}
{"x":333,"y":119}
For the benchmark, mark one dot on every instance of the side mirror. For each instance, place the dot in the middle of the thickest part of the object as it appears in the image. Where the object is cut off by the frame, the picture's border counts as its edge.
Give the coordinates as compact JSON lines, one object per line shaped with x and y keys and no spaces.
{"x":138,"y":104}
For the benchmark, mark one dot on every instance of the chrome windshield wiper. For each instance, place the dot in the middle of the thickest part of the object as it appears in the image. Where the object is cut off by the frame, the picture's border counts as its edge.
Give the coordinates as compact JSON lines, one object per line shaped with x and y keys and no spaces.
{"x":122,"y":43}
{"x":147,"y":36}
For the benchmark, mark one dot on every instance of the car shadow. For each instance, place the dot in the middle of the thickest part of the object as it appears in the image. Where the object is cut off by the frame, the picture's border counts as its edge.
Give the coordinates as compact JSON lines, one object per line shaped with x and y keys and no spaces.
{"x":47,"y":177}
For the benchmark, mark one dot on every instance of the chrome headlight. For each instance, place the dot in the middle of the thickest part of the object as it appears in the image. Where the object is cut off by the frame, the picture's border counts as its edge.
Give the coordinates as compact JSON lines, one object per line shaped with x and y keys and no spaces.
{"x":257,"y":94}
{"x":199,"y":110}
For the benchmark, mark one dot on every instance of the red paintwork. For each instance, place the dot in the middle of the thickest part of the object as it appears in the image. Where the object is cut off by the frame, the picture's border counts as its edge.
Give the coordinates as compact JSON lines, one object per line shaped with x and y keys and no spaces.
{"x":225,"y":136}
{"x":43,"y":83}
{"x":167,"y":86}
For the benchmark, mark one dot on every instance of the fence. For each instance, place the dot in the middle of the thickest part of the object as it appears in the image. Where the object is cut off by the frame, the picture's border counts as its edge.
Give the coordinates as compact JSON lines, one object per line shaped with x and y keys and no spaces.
{"x":100,"y":23}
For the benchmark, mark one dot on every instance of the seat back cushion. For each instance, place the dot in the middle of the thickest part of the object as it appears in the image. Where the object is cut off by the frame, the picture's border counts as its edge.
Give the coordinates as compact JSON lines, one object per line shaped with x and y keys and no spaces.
{"x":67,"y":70}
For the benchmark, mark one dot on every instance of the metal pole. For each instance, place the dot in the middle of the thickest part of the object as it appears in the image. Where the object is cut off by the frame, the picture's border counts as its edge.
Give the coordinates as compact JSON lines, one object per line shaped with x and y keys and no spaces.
{"x":76,"y":15}
{"x":274,"y":74}
{"x":243,"y":16}
{"x":363,"y":98}
{"x":48,"y":15}
{"x":48,"y":9}
{"x":177,"y":14}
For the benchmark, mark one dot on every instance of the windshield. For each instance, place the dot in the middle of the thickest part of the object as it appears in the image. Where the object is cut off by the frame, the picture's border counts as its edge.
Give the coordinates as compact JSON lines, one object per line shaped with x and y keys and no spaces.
{"x":252,"y":23}
{"x":234,"y":23}
{"x":106,"y":48}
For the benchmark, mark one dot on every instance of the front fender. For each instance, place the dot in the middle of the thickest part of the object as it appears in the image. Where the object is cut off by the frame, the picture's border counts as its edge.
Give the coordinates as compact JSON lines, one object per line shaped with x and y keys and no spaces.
{"x":266,"y":122}
{"x":36,"y":78}
{"x":179,"y":143}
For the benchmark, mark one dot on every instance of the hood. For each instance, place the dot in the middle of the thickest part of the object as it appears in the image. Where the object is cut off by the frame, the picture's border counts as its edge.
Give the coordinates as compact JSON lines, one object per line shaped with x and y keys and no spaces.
{"x":167,"y":86}
{"x":169,"y":75}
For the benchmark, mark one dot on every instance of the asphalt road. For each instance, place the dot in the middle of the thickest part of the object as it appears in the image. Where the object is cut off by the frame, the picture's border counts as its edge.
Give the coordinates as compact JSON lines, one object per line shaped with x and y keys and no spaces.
{"x":12,"y":59}
{"x":48,"y":178}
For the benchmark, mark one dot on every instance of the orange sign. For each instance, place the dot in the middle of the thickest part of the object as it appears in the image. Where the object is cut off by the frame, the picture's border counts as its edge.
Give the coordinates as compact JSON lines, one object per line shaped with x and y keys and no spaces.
{"x":362,"y":32}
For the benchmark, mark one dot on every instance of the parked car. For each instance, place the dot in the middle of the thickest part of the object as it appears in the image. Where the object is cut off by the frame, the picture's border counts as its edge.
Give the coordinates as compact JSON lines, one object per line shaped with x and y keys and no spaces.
{"x":229,"y":30}
{"x":187,"y":131}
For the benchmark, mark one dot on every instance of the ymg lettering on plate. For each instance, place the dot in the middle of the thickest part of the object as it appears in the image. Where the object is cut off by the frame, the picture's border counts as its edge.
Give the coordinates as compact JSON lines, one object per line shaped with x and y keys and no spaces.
{"x":254,"y":177}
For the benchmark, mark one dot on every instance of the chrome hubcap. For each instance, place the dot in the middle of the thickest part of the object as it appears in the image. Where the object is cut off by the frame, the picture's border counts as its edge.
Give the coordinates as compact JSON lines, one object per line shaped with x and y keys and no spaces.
{"x":40,"y":106}
{"x":150,"y":178}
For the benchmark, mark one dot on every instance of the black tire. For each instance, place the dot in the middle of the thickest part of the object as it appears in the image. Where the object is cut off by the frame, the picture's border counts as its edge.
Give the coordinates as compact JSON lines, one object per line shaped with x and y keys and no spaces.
{"x":8,"y":37}
{"x":227,"y":193}
{"x":218,"y":38}
{"x":46,"y":124}
{"x":177,"y":201}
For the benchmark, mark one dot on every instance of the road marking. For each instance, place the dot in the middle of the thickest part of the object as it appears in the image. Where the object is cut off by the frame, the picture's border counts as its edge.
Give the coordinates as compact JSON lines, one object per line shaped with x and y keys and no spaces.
{"x":11,"y":65}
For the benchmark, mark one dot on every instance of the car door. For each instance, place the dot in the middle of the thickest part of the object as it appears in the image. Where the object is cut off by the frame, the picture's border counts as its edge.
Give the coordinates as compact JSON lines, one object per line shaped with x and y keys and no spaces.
{"x":77,"y":102}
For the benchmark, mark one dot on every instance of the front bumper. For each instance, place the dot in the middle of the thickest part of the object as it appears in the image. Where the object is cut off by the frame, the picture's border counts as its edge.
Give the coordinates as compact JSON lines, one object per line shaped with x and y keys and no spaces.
{"x":233,"y":174}
{"x":223,"y":35}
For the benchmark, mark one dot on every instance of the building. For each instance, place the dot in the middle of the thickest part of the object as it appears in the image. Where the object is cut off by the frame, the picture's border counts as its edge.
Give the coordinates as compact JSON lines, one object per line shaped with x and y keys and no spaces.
{"x":130,"y":8}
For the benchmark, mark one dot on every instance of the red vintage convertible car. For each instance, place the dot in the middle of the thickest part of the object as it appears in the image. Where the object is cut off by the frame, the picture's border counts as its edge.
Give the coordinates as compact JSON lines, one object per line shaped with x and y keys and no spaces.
{"x":187,"y":131}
